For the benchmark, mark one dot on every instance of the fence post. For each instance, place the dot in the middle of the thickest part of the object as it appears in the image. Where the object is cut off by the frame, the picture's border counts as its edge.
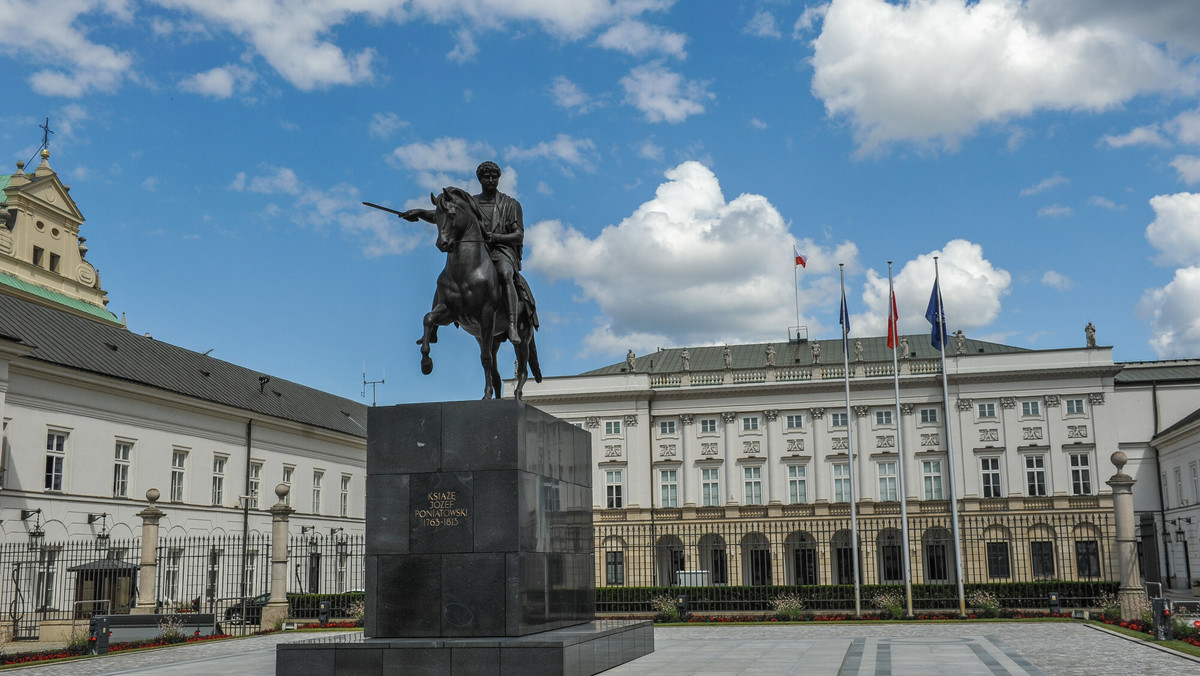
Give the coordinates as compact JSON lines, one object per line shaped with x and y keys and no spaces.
{"x":276,"y":610}
{"x":1130,"y":591}
{"x":148,"y":575}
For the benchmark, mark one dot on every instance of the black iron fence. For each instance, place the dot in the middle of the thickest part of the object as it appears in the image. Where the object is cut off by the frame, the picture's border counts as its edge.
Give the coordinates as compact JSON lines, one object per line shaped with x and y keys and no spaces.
{"x":741,"y":566}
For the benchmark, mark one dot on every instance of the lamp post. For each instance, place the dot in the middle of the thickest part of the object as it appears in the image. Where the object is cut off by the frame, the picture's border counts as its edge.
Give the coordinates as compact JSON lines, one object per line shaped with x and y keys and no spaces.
{"x":37,"y":536}
{"x":103,"y":537}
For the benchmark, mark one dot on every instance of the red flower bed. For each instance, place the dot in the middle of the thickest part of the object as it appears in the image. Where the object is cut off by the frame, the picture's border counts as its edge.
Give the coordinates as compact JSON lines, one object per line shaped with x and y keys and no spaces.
{"x":26,"y":658}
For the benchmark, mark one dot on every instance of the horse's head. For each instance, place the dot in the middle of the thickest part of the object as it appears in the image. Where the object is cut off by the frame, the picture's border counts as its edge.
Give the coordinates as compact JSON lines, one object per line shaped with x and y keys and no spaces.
{"x":456,"y":212}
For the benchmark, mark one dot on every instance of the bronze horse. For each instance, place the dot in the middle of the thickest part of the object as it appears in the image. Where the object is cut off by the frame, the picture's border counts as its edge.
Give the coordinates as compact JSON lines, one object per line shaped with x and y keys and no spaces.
{"x":470,"y":294}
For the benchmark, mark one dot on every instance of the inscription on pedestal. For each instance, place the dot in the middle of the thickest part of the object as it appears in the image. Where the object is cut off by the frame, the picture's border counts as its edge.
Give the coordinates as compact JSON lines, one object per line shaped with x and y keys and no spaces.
{"x":441,"y":510}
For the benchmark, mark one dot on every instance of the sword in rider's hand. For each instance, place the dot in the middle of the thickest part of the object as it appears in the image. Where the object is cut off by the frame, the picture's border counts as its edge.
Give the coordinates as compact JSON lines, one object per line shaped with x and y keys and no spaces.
{"x":401,"y":214}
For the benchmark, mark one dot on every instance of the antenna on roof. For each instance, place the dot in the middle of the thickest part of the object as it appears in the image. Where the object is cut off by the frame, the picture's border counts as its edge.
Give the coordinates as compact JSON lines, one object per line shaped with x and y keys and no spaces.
{"x":372,"y":383}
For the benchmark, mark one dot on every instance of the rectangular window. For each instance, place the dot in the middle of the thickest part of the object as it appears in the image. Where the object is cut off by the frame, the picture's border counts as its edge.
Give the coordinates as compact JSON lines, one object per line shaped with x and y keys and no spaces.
{"x":750,"y":424}
{"x":218,"y":480}
{"x":708,"y":425}
{"x":841,"y":482}
{"x":121,"y":454}
{"x":929,"y":415}
{"x":171,"y":575}
{"x":1081,"y":474}
{"x":178,"y":467}
{"x":54,"y":259}
{"x":710,"y":486}
{"x":1087,"y":558}
{"x":838,"y":419}
{"x":318,"y":478}
{"x":344,"y":497}
{"x":887,"y":482}
{"x":47,"y":579}
{"x":753,"y":476}
{"x":669,"y":488}
{"x":989,"y":469}
{"x":797,"y":484}
{"x":931,"y":474}
{"x":255,"y":483}
{"x":1195,"y":483}
{"x":987,"y":410}
{"x":286,"y":479}
{"x":343,"y":572}
{"x":1035,"y":475}
{"x":1030,"y":409}
{"x":883,"y":417}
{"x":1074,"y":407}
{"x":666,"y":427}
{"x":1041,"y":554}
{"x":56,"y":458}
{"x":1179,"y":487}
{"x":614,"y":568}
{"x":612,"y":487}
{"x":795,"y":422}
{"x":612,"y":427}
{"x":997,"y":560}
{"x":38,"y":254}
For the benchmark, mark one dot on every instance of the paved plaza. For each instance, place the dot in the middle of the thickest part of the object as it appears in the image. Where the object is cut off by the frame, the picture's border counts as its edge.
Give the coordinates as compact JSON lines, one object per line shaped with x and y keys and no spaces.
{"x":958,"y":649}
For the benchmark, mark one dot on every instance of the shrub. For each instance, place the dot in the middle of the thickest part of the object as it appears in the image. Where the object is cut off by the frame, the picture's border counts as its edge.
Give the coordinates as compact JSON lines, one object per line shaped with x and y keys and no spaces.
{"x":666,"y":608}
{"x":984,"y":602}
{"x":788,"y":607}
{"x":891,"y":602}
{"x":170,"y":628}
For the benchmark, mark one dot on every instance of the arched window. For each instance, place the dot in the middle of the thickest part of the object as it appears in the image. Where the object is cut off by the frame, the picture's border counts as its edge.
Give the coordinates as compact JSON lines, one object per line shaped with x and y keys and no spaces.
{"x":756,"y":559}
{"x":1041,"y":551}
{"x":801,"y":561}
{"x":843,"y":558}
{"x":890,"y":552}
{"x":1087,"y":550}
{"x":714,"y":558}
{"x":998,"y":549}
{"x":670,"y":560}
{"x":614,"y":561}
{"x":937,"y":548}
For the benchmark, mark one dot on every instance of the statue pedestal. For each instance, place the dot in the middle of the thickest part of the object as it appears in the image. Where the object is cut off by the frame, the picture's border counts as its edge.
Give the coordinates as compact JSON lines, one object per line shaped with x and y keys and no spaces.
{"x":479,"y":551}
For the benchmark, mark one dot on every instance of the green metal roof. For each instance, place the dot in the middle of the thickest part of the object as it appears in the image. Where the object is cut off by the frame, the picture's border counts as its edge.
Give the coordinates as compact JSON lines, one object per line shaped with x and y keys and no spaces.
{"x":60,"y":299}
{"x":1158,"y":371}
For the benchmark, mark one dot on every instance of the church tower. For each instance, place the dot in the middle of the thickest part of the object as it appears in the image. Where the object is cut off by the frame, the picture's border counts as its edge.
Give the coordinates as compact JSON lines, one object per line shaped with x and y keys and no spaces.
{"x":42,"y":256}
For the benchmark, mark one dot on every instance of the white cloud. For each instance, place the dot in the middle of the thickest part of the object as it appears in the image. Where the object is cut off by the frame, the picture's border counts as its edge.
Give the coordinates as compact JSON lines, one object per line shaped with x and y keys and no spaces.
{"x":1045,"y":184}
{"x":762,"y":24}
{"x":383,"y":125}
{"x":278,"y":181}
{"x":1175,"y":231}
{"x":567,"y":94}
{"x":1057,"y":281}
{"x":650,"y":150}
{"x":1141,"y":136}
{"x":662,"y":94}
{"x":150,"y":184}
{"x":465,"y":48}
{"x":1186,"y":127}
{"x":638,"y":38}
{"x":575,"y":152}
{"x":1174,"y":315}
{"x":220,"y":82}
{"x":444,"y":154}
{"x":686,"y":267}
{"x":1188,"y":167}
{"x":1054,"y":211}
{"x":60,"y":58}
{"x":934,"y":71}
{"x":757,"y":123}
{"x":971,"y":290}
{"x":808,"y":18}
{"x":1105,"y":203}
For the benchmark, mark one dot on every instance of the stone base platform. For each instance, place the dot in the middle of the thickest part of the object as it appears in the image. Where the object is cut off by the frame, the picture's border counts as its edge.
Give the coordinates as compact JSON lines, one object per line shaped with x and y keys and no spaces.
{"x":580,"y":650}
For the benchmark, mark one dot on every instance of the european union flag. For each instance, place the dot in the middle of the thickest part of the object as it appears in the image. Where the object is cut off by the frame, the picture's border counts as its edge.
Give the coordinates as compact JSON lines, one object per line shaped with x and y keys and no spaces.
{"x":844,"y":320}
{"x":937,"y":334}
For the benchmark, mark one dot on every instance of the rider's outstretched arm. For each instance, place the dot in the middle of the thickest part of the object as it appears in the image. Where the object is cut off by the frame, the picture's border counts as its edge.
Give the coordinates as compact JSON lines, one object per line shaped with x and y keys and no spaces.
{"x":427,"y":215}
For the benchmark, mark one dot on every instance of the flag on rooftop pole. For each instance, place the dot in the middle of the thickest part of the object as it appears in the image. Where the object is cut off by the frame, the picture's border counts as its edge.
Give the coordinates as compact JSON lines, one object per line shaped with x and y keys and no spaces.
{"x":851,"y":464}
{"x":844,"y":320}
{"x":893,"y":342}
{"x":801,"y":259}
{"x":893,"y":315}
{"x":936,"y":315}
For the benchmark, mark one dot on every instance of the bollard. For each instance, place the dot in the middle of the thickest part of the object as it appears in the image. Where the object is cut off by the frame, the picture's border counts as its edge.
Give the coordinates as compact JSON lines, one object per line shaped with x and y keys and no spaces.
{"x":1163,"y":622}
{"x":1055,"y":604}
{"x":98,"y":633}
{"x":323,"y":612}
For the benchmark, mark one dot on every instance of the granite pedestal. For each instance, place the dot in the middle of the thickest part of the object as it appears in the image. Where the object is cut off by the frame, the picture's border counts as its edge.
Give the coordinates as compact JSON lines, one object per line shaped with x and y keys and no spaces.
{"x":478,"y":549}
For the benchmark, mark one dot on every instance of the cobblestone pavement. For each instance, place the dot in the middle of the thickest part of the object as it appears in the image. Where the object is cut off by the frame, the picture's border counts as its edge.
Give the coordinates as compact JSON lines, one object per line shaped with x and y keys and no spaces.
{"x":955,"y":649}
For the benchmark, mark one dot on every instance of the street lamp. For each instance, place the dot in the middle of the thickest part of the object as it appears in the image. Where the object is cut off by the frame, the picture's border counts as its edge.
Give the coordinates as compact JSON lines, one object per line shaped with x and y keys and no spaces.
{"x":37,"y":536}
{"x":102,"y":538}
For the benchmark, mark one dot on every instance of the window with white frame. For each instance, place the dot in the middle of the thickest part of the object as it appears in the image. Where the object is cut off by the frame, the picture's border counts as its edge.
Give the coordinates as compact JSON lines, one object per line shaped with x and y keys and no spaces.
{"x":887,"y":481}
{"x":753,"y":480}
{"x":178,"y":476}
{"x":750,"y":423}
{"x":122,"y":451}
{"x":987,"y":410}
{"x":318,"y":479}
{"x":1166,"y":496}
{"x":612,"y":427}
{"x":666,"y":427}
{"x":1179,"y":487}
{"x":838,"y":419}
{"x":255,"y":483}
{"x":218,"y":479}
{"x":883,"y":417}
{"x":343,"y":572}
{"x":286,"y":479}
{"x":613,"y":488}
{"x":47,"y":578}
{"x":344,"y":497}
{"x":928,"y":416}
{"x":708,"y":424}
{"x":795,"y":422}
{"x":989,"y":474}
{"x":1081,"y":473}
{"x":56,"y":458}
{"x":931,"y":476}
{"x":1030,"y":409}
{"x":841,"y":482}
{"x":1074,"y":407}
{"x":668,"y":480}
{"x":1195,"y":483}
{"x":797,"y":484}
{"x":710,"y":486}
{"x":171,"y":574}
{"x":1035,"y":475}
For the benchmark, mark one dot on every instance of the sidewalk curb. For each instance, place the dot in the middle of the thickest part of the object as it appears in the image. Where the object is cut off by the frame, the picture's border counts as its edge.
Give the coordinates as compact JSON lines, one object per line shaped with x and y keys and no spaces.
{"x":1148,"y":644}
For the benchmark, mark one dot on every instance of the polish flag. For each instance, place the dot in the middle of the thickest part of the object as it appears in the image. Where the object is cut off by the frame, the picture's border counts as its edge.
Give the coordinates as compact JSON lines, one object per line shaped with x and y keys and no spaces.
{"x":893,"y":319}
{"x":801,"y":259}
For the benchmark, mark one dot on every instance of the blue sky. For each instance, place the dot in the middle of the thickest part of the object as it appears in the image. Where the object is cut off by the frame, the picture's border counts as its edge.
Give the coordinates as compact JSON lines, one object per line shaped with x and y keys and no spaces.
{"x":668,"y":155}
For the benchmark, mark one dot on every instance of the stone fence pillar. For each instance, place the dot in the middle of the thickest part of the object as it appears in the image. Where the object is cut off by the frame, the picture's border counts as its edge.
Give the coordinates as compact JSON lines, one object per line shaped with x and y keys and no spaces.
{"x":276,"y":610}
{"x":1130,"y":592}
{"x":148,"y":575}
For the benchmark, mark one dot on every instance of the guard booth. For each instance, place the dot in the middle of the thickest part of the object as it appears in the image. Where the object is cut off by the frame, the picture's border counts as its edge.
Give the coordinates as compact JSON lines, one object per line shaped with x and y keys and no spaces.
{"x":104,"y":587}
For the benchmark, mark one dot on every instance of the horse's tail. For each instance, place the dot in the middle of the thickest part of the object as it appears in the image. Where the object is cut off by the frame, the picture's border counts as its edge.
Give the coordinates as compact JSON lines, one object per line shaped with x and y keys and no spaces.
{"x":534,"y":366}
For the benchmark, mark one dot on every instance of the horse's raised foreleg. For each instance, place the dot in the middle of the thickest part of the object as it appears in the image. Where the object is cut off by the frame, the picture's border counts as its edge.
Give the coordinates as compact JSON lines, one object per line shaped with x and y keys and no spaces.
{"x":438,"y":316}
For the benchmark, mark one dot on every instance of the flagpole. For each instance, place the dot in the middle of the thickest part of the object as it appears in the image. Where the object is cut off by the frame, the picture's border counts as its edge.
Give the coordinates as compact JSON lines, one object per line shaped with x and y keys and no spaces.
{"x":941,"y":329}
{"x":893,"y":339}
{"x":796,"y":288}
{"x":852,"y":466}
